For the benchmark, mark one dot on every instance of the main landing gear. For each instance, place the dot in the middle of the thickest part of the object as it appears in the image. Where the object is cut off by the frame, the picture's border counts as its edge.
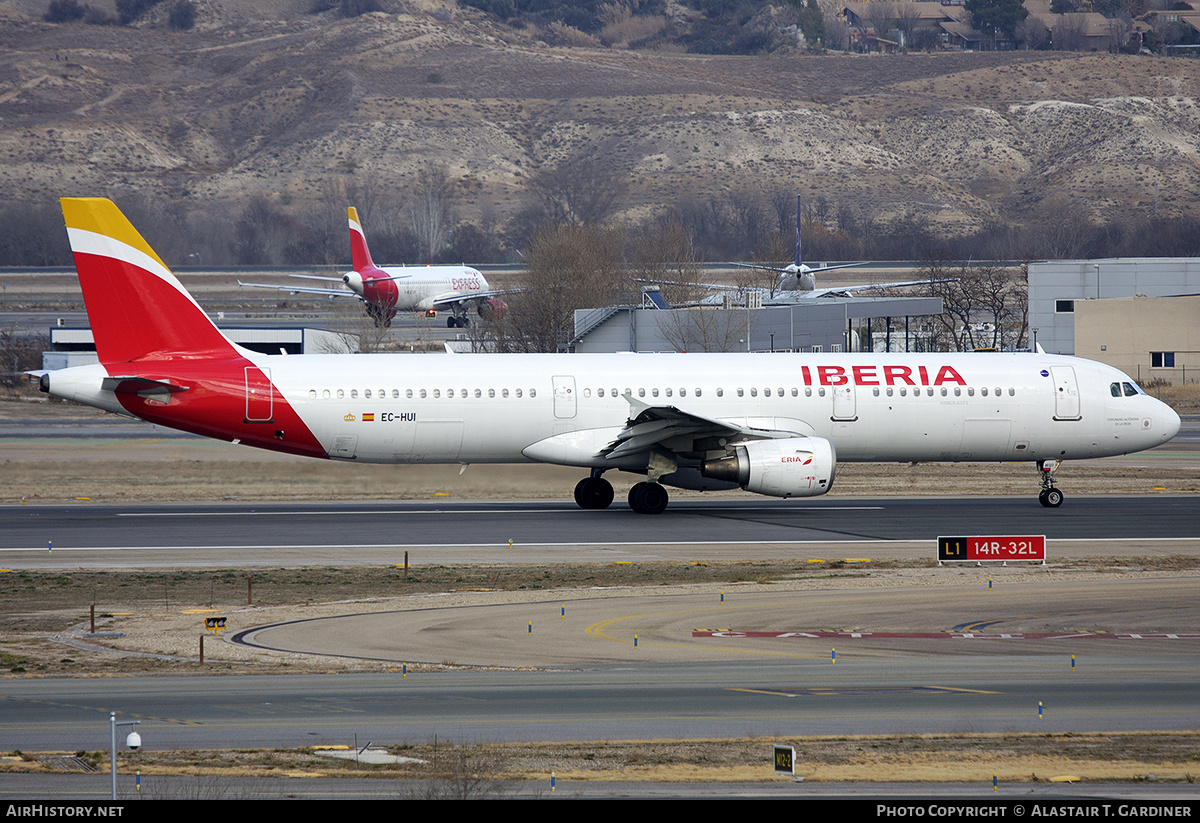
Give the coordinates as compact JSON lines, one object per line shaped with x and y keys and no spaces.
{"x":597,"y":493}
{"x":1050,"y":496}
{"x":593,"y":493}
{"x":454,"y":321}
{"x":648,"y":498}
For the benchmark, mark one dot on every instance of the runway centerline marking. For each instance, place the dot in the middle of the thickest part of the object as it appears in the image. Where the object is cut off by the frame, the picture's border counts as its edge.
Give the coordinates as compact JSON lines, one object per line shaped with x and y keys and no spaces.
{"x":833,"y":691}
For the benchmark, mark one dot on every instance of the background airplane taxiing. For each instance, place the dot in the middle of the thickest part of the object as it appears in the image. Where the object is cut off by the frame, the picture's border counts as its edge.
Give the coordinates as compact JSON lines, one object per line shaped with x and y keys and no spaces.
{"x":386,"y":291}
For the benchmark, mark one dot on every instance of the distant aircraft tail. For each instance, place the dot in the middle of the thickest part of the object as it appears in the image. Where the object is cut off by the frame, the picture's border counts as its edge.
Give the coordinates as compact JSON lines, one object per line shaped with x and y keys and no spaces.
{"x":360,"y":254}
{"x":136,"y":306}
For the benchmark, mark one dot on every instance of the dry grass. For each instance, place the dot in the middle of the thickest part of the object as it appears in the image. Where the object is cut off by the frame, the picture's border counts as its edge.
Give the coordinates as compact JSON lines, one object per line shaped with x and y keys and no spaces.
{"x":1184,"y":399}
{"x":973,"y":758}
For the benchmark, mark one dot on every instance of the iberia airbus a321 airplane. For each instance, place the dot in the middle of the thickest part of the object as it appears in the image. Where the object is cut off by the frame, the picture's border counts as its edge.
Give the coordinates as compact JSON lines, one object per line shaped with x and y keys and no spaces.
{"x":771,"y":424}
{"x":392,"y":289}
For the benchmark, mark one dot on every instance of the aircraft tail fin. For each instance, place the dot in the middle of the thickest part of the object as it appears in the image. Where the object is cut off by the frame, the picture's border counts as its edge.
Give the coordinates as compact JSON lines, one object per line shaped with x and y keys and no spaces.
{"x":799,"y":260}
{"x":137,"y":308}
{"x":360,"y":254}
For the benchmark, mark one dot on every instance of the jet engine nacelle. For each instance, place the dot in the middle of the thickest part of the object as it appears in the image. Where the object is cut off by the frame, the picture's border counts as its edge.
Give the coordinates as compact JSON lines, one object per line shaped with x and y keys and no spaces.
{"x":790,"y":467}
{"x":493,"y":309}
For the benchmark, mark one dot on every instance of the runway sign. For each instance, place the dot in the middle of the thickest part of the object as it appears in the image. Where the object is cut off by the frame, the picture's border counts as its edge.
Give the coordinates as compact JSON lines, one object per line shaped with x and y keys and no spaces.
{"x":995,"y":548}
{"x":785,"y":760}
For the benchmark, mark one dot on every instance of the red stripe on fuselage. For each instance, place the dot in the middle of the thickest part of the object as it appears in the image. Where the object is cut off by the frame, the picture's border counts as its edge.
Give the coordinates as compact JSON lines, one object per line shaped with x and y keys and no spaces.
{"x":214,"y":405}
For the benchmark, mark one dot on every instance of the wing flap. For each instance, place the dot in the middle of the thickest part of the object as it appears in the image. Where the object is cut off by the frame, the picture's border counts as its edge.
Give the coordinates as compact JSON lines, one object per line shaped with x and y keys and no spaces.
{"x":649,"y":427}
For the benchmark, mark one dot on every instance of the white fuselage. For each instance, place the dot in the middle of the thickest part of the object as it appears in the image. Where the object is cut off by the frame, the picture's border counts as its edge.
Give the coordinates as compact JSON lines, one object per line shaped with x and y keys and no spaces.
{"x":565,"y":408}
{"x":421,"y":288}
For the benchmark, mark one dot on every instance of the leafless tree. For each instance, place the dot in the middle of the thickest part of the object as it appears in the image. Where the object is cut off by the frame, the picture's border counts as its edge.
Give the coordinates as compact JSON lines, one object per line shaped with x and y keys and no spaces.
{"x":705,"y":329}
{"x":584,"y":189}
{"x":837,"y":36}
{"x":908,"y":18}
{"x":663,"y":253}
{"x":1059,"y":229}
{"x":430,"y":210}
{"x":1031,"y":33}
{"x":354,"y":330}
{"x":983,"y":306}
{"x":1120,"y":29}
{"x":1070,"y":33}
{"x":882,"y":16}
{"x":19,"y":353}
{"x":568,"y":267}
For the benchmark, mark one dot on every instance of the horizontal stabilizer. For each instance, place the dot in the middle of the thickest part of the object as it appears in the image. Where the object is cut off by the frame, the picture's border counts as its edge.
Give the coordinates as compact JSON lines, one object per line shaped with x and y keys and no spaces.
{"x":159,"y":390}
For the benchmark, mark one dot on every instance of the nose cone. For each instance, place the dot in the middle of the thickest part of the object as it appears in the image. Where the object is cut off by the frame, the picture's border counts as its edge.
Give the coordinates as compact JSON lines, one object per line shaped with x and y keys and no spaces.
{"x":1171,"y":423}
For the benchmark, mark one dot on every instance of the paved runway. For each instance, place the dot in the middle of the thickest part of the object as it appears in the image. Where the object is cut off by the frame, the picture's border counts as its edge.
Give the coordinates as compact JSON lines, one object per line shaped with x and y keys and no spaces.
{"x":452,"y":532}
{"x":769,"y":699}
{"x":679,"y":681}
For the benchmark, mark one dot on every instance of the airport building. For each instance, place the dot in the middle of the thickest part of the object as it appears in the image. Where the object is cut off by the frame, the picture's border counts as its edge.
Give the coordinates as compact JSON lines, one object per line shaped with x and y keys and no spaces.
{"x":1148,"y":338}
{"x":824,"y":324}
{"x":1136,"y":313}
{"x":1056,"y":285}
{"x":76,"y":347}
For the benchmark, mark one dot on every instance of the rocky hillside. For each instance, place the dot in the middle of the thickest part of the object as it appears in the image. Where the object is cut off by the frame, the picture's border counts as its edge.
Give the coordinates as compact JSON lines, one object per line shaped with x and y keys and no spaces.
{"x":301,"y":108}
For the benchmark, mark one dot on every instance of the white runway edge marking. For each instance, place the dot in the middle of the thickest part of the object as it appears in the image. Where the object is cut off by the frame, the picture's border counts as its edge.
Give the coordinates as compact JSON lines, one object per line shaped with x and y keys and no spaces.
{"x":602,"y":545}
{"x":453,"y":511}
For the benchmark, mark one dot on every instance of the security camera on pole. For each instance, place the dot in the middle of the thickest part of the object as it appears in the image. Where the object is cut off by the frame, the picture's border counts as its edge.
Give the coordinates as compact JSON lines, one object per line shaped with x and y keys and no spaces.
{"x":133,"y":741}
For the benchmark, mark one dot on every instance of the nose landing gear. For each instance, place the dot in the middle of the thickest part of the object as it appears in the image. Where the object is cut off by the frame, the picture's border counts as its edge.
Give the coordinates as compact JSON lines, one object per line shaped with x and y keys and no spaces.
{"x":1050,"y":496}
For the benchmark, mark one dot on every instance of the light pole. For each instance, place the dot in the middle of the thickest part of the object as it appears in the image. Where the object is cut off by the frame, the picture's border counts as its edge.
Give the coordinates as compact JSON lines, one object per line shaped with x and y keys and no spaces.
{"x":133,"y":741}
{"x":1096,"y":266}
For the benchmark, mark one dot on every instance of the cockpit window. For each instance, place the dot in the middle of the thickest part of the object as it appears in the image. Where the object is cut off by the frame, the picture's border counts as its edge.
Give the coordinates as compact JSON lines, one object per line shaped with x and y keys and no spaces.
{"x":1130,"y":389}
{"x":1115,"y":388}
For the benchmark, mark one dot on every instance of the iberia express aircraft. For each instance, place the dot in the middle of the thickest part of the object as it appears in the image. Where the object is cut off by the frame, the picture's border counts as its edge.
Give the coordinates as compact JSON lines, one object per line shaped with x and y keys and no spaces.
{"x":386,"y":291}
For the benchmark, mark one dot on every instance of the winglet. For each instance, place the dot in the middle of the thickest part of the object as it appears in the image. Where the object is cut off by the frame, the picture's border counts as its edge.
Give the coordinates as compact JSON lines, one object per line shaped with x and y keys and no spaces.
{"x":359,"y":253}
{"x":136,"y":306}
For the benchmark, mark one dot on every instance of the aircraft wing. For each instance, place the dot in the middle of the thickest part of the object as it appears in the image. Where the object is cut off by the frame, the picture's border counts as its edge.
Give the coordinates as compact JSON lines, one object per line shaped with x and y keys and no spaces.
{"x":452,"y":298}
{"x":847,"y":291}
{"x":812,"y":270}
{"x":649,"y":427}
{"x":302,"y":289}
{"x":317,"y":277}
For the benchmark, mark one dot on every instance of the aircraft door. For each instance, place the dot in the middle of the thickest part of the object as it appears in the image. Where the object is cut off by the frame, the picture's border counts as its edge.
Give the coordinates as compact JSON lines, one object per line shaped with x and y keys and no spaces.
{"x":259,"y":395}
{"x":564,"y":396}
{"x":1066,"y":393}
{"x":844,"y":406}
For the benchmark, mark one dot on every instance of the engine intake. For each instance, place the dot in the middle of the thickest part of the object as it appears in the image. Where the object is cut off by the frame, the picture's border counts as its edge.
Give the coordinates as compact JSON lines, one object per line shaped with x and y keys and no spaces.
{"x":790,"y":467}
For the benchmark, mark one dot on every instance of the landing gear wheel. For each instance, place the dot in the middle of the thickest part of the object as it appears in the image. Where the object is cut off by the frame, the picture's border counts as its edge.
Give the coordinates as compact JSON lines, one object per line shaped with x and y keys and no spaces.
{"x":1050,"y":496}
{"x":593,"y":493}
{"x":451,"y":322}
{"x":648,"y":498}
